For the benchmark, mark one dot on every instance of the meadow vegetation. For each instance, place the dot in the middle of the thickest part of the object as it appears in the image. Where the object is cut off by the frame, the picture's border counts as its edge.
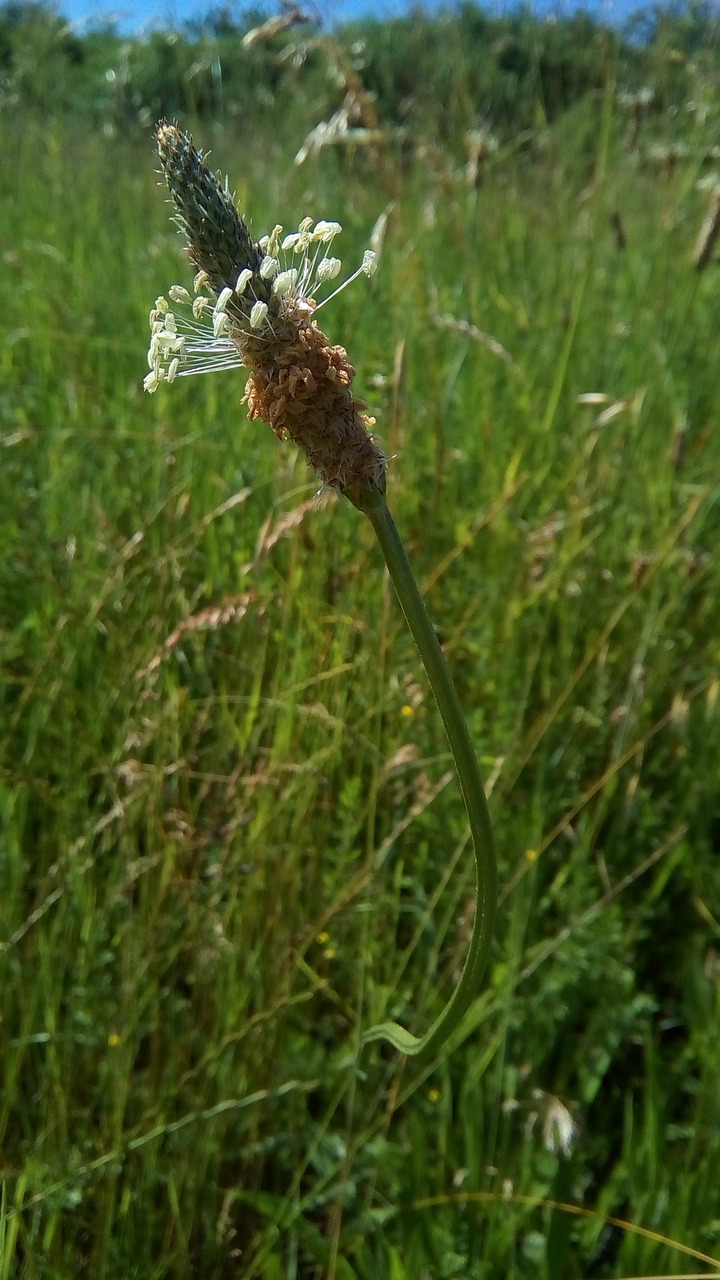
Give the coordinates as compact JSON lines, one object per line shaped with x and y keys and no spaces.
{"x":231,"y":839}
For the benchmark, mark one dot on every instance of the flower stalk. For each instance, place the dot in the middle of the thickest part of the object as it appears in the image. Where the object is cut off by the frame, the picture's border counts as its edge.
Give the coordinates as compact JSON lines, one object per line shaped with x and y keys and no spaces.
{"x":416,"y":615}
{"x":254,"y":306}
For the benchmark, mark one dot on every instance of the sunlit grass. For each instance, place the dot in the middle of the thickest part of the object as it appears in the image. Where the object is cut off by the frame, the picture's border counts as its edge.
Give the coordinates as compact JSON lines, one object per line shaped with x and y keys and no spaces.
{"x":231,"y":841}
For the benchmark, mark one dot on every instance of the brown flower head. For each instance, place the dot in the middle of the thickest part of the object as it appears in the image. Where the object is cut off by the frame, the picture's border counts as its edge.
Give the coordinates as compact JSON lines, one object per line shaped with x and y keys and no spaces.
{"x":254,"y":305}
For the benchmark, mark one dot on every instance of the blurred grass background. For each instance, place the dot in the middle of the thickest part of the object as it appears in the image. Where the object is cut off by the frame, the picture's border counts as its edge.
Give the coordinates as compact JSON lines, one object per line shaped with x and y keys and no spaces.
{"x":231,"y":838}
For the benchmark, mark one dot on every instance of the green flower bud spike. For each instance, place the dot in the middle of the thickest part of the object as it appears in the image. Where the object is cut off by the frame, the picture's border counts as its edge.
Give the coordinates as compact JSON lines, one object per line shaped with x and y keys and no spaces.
{"x":255,"y":306}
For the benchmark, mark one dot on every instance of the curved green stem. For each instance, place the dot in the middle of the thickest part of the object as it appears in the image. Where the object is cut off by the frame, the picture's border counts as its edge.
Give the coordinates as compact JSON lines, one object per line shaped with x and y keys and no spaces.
{"x":375,"y":508}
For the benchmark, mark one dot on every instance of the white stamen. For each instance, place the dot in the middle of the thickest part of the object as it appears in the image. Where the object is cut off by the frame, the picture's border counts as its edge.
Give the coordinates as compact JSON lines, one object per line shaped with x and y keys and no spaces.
{"x":304,"y":237}
{"x":179,"y":293}
{"x":274,"y":240}
{"x":258,"y":314}
{"x":220,"y":323}
{"x":201,"y":279}
{"x":242,"y":280}
{"x":285,"y":282}
{"x":326,"y":231}
{"x":367,"y":267}
{"x":269,"y":267}
{"x":328,"y":269}
{"x":223,"y":299}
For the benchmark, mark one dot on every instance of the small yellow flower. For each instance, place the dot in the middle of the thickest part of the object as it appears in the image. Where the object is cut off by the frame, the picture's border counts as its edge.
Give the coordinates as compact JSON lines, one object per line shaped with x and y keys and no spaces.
{"x":323,"y":938}
{"x":329,"y":953}
{"x":531,"y":855}
{"x":433,"y":1095}
{"x":407,"y":711}
{"x":114,"y":1040}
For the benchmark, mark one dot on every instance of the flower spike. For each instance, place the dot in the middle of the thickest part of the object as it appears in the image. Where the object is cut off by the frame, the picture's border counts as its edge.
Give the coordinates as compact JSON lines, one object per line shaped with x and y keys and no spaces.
{"x":255,"y":307}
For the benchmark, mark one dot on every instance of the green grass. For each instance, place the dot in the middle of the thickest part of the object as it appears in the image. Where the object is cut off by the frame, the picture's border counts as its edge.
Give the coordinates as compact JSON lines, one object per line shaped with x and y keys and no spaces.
{"x":231,"y":843}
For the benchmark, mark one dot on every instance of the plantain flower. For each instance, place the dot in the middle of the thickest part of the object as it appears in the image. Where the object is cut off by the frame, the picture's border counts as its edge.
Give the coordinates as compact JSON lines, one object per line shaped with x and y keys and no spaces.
{"x":254,"y":305}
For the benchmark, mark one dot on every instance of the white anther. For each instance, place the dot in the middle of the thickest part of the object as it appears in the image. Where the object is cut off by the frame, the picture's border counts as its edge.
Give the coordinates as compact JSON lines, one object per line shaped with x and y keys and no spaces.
{"x":285,"y":282}
{"x":269,"y":267}
{"x":328,"y":269}
{"x":274,"y":240}
{"x":258,"y":314}
{"x":326,"y":231}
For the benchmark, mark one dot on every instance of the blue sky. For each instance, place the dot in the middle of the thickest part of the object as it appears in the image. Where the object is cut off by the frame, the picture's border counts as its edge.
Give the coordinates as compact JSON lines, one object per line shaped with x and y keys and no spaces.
{"x":132,"y":15}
